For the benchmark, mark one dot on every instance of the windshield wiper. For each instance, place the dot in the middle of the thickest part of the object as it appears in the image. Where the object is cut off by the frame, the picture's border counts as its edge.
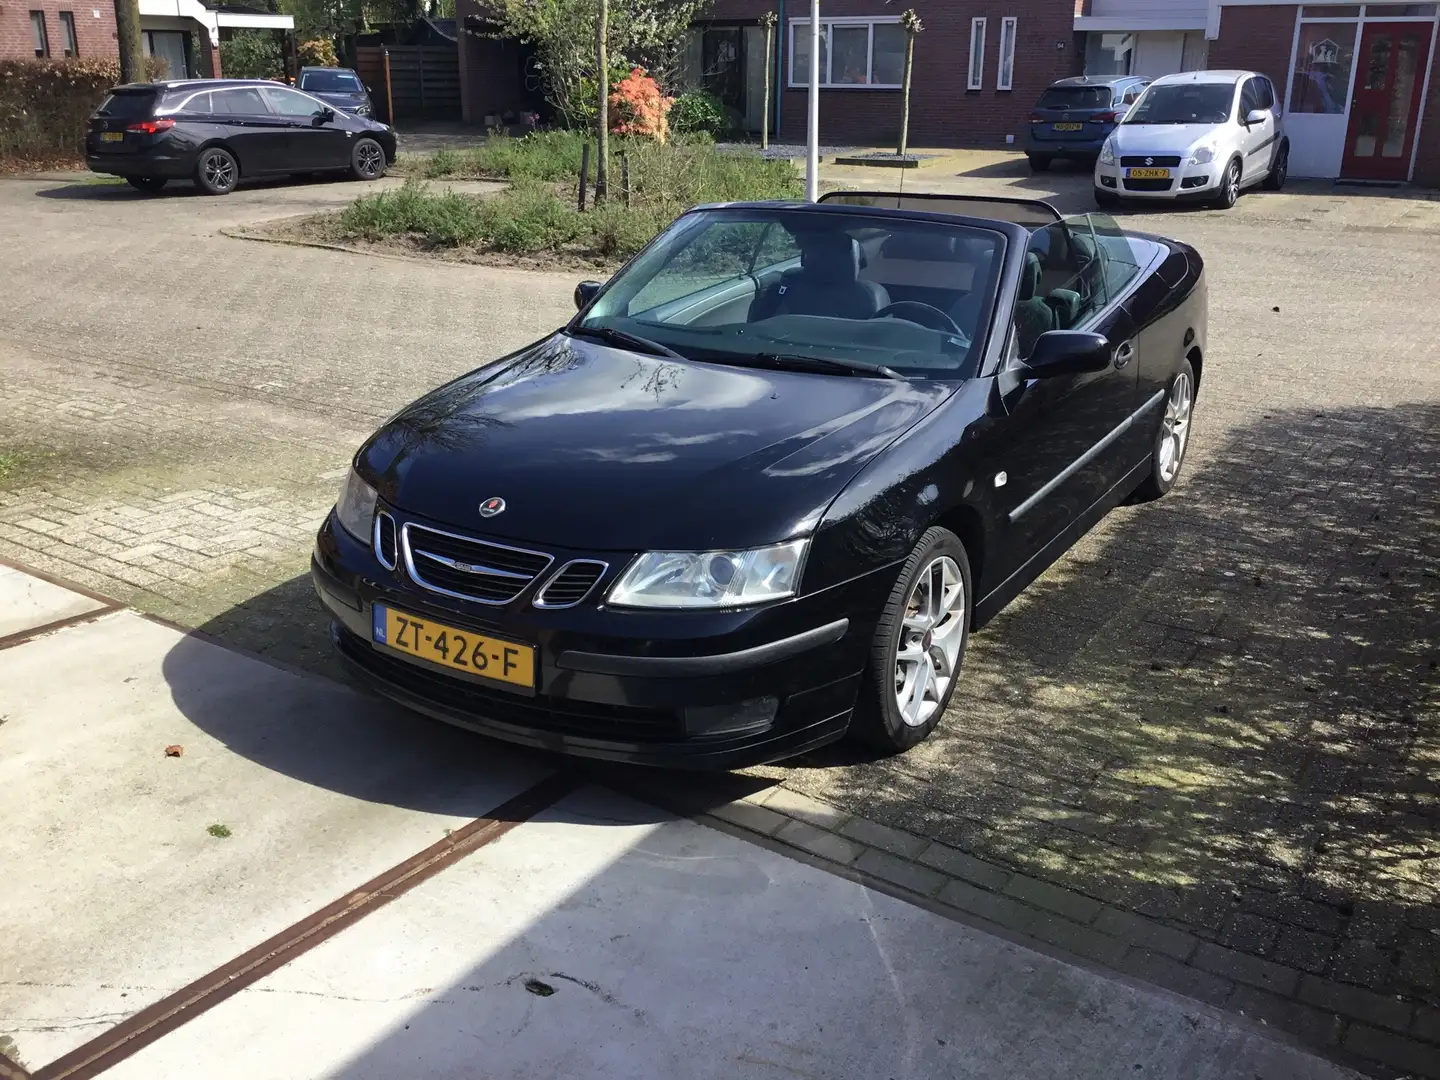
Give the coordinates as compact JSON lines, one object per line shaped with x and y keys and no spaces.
{"x":611,"y":336}
{"x":797,"y":362}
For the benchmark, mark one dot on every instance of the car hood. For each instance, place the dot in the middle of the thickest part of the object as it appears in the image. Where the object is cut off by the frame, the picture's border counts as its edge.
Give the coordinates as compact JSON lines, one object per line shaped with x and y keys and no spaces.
{"x":1160,"y":138}
{"x":604,"y":449}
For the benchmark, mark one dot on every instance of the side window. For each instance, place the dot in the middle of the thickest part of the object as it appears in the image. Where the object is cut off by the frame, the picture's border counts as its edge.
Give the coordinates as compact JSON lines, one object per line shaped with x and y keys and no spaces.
{"x":1267,"y":94}
{"x":1249,"y":98}
{"x":1131,"y":94}
{"x":241,"y":101}
{"x":289,"y":103}
{"x":1062,"y":282}
{"x":1119,"y":261}
{"x":195,"y":103}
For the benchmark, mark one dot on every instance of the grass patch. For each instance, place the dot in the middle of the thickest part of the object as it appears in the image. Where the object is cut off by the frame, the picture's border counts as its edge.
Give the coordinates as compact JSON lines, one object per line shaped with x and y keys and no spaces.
{"x":219,"y":831}
{"x":538,"y":215}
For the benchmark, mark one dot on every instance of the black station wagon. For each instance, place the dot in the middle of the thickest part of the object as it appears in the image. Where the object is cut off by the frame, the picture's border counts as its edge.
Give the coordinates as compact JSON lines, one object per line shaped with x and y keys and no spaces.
{"x":757,"y":493}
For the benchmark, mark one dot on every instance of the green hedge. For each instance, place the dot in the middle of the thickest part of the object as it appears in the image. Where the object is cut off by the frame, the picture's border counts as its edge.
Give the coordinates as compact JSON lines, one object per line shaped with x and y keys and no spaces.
{"x":44,"y":104}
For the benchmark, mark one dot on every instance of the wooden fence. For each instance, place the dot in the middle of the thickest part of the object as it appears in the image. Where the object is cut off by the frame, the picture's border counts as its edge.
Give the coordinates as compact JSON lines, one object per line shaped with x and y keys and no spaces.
{"x":412,"y":82}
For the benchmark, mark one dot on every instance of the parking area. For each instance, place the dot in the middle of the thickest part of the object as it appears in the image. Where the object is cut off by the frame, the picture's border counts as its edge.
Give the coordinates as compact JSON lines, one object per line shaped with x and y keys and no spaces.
{"x":1201,"y":751}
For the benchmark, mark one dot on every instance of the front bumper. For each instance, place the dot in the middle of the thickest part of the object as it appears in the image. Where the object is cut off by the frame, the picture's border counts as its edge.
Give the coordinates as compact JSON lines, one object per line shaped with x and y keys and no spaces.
{"x":1081,"y":145}
{"x":1185,"y":182}
{"x":709,"y":690}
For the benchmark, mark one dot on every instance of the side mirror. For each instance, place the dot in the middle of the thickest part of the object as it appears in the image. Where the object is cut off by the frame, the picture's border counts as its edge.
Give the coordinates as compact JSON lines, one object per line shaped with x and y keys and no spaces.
{"x":1067,"y":352}
{"x":1255,"y":116}
{"x":584,"y":293}
{"x":324,"y":116}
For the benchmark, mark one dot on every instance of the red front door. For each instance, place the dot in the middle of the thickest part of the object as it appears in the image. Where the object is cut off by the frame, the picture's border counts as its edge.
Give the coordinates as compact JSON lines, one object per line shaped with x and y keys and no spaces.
{"x":1389,"y":75}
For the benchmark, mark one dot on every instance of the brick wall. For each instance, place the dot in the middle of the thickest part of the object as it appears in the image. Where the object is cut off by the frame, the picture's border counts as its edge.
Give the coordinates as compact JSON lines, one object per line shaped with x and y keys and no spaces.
{"x":95,"y":37}
{"x":1256,"y":39}
{"x":942,"y":111}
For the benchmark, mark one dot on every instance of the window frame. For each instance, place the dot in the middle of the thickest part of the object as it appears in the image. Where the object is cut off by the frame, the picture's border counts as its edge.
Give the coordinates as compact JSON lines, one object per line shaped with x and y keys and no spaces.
{"x":69,"y":33}
{"x":1006,"y":80}
{"x":800,"y":26}
{"x":975,"y":70}
{"x":40,"y":35}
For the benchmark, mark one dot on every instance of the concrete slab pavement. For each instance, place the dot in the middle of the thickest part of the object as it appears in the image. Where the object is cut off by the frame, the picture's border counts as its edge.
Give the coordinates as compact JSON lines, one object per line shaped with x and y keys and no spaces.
{"x":28,"y":602}
{"x":604,"y":939}
{"x":115,"y":893}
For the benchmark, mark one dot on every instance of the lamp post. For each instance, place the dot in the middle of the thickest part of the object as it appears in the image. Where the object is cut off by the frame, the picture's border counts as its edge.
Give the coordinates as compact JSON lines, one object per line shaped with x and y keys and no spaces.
{"x":812,"y":146}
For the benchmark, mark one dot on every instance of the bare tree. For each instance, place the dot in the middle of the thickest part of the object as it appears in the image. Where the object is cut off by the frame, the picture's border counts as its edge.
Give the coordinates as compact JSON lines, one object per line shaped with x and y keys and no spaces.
{"x":768,"y":21}
{"x":127,"y":40}
{"x":602,"y":64}
{"x":911,"y":22}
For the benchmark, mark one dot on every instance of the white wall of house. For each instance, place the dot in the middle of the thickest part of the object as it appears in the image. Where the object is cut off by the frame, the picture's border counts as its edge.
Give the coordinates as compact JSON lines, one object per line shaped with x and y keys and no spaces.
{"x":1144,"y":10}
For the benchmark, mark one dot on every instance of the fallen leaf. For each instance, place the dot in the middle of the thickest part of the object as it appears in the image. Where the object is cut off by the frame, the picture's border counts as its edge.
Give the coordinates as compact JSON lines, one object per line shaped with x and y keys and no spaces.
{"x":174,"y":750}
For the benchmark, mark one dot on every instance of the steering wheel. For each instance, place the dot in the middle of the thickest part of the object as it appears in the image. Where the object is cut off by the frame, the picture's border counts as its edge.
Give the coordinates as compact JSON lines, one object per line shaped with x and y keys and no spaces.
{"x":924,"y":314}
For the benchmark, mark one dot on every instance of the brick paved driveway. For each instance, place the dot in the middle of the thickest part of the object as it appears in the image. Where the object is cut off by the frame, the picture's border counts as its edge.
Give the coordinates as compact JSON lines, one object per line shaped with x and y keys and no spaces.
{"x":1203,"y":749}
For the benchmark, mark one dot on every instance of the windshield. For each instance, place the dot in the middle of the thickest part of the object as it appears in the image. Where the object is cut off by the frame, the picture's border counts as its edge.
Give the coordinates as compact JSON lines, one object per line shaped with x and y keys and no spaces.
{"x":330,"y":82}
{"x":873,"y":292}
{"x":1075,"y":97}
{"x":1183,"y":103}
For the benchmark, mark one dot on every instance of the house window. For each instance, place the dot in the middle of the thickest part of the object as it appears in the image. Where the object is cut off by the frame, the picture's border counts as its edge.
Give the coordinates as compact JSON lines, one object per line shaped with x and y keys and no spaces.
{"x":1109,"y":54}
{"x":67,"y":33}
{"x":853,"y":52}
{"x":1006,"y":76}
{"x":977,"y":55}
{"x":37,"y":31}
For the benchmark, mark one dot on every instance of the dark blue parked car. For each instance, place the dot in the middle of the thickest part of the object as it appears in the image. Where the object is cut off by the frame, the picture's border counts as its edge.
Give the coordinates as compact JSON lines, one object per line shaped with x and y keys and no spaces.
{"x":1074,"y":116}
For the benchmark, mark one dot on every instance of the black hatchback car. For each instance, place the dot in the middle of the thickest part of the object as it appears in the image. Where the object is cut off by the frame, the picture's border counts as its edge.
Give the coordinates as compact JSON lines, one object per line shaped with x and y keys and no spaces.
{"x":219,"y":131}
{"x":758,"y":491}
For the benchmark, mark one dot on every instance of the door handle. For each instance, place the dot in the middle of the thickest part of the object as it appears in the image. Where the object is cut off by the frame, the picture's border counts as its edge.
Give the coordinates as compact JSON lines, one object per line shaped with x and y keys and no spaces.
{"x":1124,"y":354}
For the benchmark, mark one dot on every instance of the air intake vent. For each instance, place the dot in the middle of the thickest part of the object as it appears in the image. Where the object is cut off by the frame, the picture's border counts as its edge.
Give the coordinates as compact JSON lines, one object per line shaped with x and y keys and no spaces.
{"x":571,"y":584}
{"x":385,"y":549}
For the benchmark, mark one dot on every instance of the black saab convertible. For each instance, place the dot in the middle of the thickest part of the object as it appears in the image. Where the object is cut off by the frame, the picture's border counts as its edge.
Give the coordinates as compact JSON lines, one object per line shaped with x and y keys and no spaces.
{"x":757,"y":493}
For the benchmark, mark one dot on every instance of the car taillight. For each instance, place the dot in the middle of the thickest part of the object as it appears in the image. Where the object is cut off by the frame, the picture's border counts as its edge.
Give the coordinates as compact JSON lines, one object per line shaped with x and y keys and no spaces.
{"x":152,"y":127}
{"x":1036,"y":118}
{"x":1106,"y":118}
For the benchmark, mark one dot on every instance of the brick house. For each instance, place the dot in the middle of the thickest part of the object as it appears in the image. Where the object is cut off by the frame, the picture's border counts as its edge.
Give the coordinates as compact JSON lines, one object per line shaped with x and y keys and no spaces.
{"x":185,"y":33}
{"x":1360,"y":102}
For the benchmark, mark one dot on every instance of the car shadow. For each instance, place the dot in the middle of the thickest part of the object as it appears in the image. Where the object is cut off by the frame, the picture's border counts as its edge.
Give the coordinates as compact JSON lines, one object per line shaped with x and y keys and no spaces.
{"x":98,"y":190}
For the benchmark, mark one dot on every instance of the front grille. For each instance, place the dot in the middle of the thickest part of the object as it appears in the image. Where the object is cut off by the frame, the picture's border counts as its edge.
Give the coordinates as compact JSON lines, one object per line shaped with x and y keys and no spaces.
{"x":570,"y":584}
{"x":1148,"y":185}
{"x":467,"y":568}
{"x":543,"y":713}
{"x":1150,"y":162}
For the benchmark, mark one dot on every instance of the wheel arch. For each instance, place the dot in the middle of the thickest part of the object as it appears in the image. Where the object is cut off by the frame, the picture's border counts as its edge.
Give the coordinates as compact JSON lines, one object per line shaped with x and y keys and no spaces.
{"x":966,"y":523}
{"x":210,"y":144}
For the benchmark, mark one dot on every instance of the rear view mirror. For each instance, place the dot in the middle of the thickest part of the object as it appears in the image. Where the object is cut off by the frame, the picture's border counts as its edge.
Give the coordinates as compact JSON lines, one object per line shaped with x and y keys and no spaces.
{"x":1255,"y":116}
{"x":584,"y":293}
{"x":1067,"y":352}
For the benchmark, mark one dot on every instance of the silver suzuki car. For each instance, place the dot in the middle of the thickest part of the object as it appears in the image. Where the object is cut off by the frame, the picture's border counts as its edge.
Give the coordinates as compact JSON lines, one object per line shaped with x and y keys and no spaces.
{"x":1203,"y":135}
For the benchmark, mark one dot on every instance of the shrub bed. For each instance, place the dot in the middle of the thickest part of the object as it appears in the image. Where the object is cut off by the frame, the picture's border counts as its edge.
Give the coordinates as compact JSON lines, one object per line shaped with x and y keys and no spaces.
{"x":44,"y":106}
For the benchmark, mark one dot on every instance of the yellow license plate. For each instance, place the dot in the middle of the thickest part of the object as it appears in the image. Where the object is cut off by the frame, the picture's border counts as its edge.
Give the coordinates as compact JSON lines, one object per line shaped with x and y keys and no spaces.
{"x":458,"y":650}
{"x":1148,"y":174}
{"x":112,"y":136}
{"x":1069,"y":127}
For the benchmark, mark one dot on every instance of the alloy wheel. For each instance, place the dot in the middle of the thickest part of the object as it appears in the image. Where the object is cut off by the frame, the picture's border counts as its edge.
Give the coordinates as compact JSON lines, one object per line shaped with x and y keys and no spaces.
{"x":928,"y":650}
{"x":370,"y":157}
{"x":219,"y":171}
{"x":1232,"y":184}
{"x":1175,"y":430}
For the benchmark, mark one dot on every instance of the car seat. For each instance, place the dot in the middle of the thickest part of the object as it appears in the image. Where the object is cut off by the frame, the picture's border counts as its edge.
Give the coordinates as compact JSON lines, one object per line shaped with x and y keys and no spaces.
{"x":827,"y":282}
{"x":1033,"y":314}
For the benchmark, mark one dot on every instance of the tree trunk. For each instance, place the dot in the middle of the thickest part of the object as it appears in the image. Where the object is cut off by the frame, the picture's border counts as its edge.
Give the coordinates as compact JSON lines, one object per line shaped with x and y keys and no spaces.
{"x":602,"y":61}
{"x":765,"y":115}
{"x":905,"y":94}
{"x":127,"y":40}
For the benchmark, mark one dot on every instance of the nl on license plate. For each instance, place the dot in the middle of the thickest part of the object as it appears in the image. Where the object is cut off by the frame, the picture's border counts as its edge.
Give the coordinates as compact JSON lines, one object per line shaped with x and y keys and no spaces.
{"x":112,"y":136}
{"x":1148,"y":174}
{"x":458,"y":650}
{"x":1069,"y":127}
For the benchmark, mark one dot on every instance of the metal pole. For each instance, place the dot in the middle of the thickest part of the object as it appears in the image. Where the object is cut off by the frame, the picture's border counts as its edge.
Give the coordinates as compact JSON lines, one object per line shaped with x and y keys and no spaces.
{"x":584,"y":173}
{"x":812,"y":147}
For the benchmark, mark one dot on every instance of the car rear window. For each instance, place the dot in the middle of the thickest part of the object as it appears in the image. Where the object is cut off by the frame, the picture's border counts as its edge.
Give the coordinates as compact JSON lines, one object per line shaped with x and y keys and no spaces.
{"x":128,"y":104}
{"x":1076,"y":97}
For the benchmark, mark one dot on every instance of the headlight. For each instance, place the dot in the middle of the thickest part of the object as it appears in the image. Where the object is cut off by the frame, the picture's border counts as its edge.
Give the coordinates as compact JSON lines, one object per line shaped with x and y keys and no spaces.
{"x":362,"y":110}
{"x":1107,"y":154}
{"x":1202,"y":155}
{"x":355,"y":509}
{"x":710,"y":579}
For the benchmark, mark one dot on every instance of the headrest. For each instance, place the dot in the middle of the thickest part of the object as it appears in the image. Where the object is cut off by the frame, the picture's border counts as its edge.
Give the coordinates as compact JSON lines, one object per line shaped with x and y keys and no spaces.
{"x":1030,"y":276}
{"x":829,"y":256}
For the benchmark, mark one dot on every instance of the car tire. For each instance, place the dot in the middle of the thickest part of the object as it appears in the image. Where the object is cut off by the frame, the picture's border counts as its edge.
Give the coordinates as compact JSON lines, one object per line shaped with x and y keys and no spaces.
{"x":1275,"y":179}
{"x":148,"y":184}
{"x":1106,"y":200}
{"x":932,"y":593}
{"x":367,"y":160}
{"x":216,"y":171}
{"x":1229,"y":187}
{"x":1039,"y":162}
{"x":1173,"y":439}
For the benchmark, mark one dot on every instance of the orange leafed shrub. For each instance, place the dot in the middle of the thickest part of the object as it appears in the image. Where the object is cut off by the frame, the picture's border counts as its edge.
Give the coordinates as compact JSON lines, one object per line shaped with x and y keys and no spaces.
{"x":637,"y":107}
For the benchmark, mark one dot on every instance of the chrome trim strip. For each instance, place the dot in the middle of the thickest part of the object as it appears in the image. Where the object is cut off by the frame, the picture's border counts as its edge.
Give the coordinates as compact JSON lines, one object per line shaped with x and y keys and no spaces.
{"x":539,"y":600}
{"x":409,"y":556}
{"x":474,"y":568}
{"x":1087,"y":457}
{"x":375,"y":540}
